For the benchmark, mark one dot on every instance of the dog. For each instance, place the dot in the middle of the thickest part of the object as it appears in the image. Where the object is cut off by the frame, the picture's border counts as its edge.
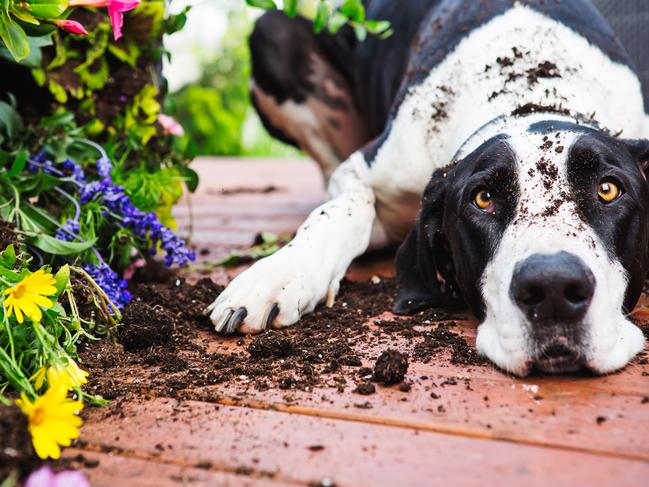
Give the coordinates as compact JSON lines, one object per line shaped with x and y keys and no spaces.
{"x":529,"y":117}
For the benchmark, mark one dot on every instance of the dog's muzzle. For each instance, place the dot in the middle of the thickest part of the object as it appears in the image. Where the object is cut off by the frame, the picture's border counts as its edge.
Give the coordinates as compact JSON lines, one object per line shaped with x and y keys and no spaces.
{"x":554,"y":292}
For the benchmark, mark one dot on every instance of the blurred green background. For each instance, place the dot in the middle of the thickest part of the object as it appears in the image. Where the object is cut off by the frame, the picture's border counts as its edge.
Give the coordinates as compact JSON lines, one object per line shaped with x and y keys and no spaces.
{"x":208,"y":76}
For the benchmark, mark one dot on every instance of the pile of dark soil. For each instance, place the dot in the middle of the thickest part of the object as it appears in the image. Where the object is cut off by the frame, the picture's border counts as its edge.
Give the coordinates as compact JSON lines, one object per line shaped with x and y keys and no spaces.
{"x":170,"y":349}
{"x":16,"y":451}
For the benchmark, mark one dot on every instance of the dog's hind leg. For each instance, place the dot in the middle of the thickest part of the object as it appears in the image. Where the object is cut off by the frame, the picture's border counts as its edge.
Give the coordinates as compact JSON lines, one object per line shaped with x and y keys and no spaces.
{"x":301,"y":88}
{"x":276,"y":291}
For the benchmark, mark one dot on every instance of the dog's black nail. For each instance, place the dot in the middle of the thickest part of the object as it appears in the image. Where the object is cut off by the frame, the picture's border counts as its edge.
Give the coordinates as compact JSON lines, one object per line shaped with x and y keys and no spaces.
{"x":220,"y":326}
{"x":272,"y":314}
{"x":236,"y":319}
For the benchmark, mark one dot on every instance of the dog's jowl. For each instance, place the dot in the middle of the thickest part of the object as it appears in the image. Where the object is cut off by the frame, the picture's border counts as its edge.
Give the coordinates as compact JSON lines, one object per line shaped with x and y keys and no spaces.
{"x":503,"y":143}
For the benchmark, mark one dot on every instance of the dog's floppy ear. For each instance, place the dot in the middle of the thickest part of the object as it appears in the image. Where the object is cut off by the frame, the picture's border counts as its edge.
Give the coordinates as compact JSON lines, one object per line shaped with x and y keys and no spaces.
{"x":639,"y":149}
{"x":423,"y":255}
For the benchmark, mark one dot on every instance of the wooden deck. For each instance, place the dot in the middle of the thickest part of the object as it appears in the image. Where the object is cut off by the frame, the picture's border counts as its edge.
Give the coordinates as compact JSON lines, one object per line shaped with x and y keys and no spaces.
{"x":484,"y":428}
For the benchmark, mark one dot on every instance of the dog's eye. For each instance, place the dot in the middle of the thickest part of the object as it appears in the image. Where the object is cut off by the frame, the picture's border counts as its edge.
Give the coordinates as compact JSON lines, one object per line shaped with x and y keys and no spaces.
{"x":483,"y":199}
{"x":608,"y":191}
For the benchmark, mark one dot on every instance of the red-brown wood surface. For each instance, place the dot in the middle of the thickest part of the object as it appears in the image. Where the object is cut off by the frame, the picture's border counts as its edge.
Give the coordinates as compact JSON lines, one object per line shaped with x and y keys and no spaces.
{"x":486,"y":429}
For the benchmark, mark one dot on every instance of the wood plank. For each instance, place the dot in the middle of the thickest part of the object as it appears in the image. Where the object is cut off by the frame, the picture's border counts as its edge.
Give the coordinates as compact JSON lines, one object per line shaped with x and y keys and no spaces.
{"x":111,"y":470}
{"x":296,"y":448}
{"x":609,"y":414}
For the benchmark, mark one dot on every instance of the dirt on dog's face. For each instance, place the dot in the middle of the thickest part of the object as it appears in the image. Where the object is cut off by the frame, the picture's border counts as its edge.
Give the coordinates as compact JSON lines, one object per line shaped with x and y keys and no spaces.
{"x":544,"y":233}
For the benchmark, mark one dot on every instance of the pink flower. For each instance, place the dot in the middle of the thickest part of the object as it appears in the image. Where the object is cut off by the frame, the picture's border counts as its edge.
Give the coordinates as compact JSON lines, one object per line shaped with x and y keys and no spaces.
{"x":71,"y":26}
{"x":116,"y":9}
{"x":44,"y":477}
{"x":170,"y":125}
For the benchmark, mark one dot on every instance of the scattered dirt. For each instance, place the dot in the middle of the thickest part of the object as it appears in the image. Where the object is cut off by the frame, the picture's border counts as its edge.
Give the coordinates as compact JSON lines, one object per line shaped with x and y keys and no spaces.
{"x":16,"y":451}
{"x":536,"y":108}
{"x":248,"y":190}
{"x":7,"y":235}
{"x":390,"y":367}
{"x":545,"y":69}
{"x":365,"y":388}
{"x":170,"y":349}
{"x":270,"y":344}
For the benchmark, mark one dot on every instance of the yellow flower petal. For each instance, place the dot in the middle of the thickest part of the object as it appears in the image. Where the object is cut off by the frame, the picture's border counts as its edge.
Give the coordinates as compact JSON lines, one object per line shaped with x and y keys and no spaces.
{"x":39,"y":378}
{"x":53,"y":419}
{"x":39,"y":300}
{"x":30,"y":310}
{"x":25,"y":297}
{"x":19,"y":314}
{"x":46,"y":447}
{"x":77,"y":374}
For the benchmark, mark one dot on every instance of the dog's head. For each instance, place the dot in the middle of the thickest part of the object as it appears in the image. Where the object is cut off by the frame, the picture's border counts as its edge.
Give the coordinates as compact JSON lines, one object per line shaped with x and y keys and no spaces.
{"x":543,"y":231}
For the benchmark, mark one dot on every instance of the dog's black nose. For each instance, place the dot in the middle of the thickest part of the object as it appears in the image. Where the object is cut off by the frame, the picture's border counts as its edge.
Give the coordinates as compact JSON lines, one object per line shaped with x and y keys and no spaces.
{"x":553,"y":288}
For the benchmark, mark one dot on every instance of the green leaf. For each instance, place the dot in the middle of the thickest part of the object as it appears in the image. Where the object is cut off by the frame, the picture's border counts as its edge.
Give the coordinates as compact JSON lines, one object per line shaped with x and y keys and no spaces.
{"x":61,"y":55}
{"x":353,"y":10}
{"x":58,"y":91}
{"x":51,"y":245}
{"x":8,"y":274}
{"x":127,"y":53}
{"x":25,"y":16}
{"x":174,"y":23}
{"x":35,"y":55}
{"x":8,"y":256}
{"x":10,"y":121}
{"x":19,"y":163}
{"x":48,"y":9}
{"x":377,"y":26}
{"x":321,"y":17}
{"x":290,"y":7}
{"x":96,"y":76}
{"x":191,"y":177}
{"x":361,"y":32}
{"x":336,"y":21}
{"x":14,"y":37}
{"x":265,"y":4}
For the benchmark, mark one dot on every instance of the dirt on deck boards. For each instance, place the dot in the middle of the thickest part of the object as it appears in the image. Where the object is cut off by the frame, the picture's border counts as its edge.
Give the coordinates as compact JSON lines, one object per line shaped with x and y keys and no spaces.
{"x":322,"y":403}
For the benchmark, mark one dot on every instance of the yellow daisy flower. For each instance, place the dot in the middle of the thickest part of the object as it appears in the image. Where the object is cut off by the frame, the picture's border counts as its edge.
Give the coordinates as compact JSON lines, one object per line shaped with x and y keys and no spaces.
{"x":77,"y":375}
{"x":26,"y":296}
{"x":72,"y":375}
{"x":39,"y":378}
{"x":53,"y":420}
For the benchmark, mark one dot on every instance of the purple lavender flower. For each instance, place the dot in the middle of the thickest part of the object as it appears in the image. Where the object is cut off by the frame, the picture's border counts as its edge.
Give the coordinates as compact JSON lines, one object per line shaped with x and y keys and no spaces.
{"x":114,"y":287}
{"x":45,"y":477}
{"x":104,"y":167}
{"x":68,"y":231}
{"x":78,"y":174}
{"x":120,"y":209}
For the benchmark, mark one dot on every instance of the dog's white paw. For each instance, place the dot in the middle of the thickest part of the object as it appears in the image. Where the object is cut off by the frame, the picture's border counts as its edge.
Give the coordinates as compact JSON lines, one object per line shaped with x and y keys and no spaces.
{"x":275,"y":292}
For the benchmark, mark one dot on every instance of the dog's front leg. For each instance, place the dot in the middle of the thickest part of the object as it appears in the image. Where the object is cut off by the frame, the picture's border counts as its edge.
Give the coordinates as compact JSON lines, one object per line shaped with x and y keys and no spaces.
{"x":276,"y":291}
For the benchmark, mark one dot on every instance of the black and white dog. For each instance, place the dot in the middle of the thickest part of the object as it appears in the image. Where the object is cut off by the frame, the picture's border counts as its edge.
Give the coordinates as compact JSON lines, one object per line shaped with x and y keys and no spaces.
{"x":530,"y":119}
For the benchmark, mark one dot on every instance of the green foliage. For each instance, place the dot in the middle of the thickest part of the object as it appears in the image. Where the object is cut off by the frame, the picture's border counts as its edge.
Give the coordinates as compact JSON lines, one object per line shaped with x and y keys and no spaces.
{"x":350,"y":12}
{"x":214,"y":109}
{"x":209,"y":125}
{"x":20,"y":18}
{"x":27,"y":347}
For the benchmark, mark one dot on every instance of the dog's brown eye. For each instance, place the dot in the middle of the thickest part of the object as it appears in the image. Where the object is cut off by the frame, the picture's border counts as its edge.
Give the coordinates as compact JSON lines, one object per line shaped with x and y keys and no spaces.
{"x":608,"y":191}
{"x":483,"y":199}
